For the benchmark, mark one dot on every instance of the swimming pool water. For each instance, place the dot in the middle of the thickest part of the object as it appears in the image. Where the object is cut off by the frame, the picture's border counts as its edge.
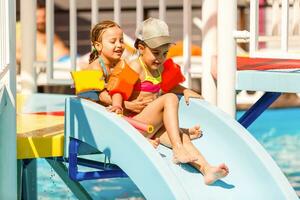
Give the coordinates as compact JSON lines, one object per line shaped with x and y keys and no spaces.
{"x":51,"y":187}
{"x":277,"y":130}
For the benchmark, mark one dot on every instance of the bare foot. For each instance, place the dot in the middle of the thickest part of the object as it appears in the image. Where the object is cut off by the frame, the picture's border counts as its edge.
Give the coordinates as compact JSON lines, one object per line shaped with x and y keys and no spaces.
{"x":154,"y":142}
{"x":194,"y":132}
{"x":181,"y":155}
{"x":212,"y":174}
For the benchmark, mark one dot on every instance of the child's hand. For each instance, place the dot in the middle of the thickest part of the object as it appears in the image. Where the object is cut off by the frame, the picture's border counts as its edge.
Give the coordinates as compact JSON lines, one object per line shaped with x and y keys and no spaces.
{"x":190,"y":94}
{"x":116,"y":109}
{"x":137,"y":105}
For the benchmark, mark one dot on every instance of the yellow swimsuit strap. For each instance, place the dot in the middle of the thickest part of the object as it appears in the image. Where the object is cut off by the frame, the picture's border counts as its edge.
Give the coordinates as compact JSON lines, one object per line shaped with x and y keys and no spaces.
{"x":152,"y":79}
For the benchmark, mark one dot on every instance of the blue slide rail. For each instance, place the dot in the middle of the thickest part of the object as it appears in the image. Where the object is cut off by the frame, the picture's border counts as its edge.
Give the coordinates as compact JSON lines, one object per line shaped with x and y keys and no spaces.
{"x":107,"y":170}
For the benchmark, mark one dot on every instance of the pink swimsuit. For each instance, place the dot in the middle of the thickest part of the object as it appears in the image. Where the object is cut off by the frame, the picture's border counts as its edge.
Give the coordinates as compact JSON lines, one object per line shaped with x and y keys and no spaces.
{"x":150,"y":84}
{"x":147,"y":86}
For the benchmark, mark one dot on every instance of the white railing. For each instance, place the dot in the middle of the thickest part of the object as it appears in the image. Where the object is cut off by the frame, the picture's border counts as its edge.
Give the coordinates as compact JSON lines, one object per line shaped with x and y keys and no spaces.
{"x":8,"y":154}
{"x":4,"y":59}
{"x":208,"y":26}
{"x":117,"y":11}
{"x":162,"y":9}
{"x":95,"y":17}
{"x":139,"y":11}
{"x":296,"y":17}
{"x":7,"y":46}
{"x":187,"y":40}
{"x":28,"y":49}
{"x":50,"y":36}
{"x":283,"y":52}
{"x":227,"y":22}
{"x":227,"y":59}
{"x":276,"y":16}
{"x":30,"y":79}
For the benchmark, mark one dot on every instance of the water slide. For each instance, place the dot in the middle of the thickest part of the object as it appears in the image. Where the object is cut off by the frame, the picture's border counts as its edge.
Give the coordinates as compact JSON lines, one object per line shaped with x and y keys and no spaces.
{"x":253,"y":173}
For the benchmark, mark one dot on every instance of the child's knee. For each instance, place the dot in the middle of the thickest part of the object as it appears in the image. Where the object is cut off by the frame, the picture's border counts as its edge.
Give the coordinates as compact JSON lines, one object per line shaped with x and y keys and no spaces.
{"x":171,"y":98}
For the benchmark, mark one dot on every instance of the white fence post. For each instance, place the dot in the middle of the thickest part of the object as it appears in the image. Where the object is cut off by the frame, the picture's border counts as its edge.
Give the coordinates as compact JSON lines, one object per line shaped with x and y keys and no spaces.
{"x":95,"y":15}
{"x":209,"y":49}
{"x":187,"y":40}
{"x":253,"y":26}
{"x":227,"y":20}
{"x":12,"y":46}
{"x":284,"y":25}
{"x":117,"y":11}
{"x":162,"y":10}
{"x":49,"y":37}
{"x":28,"y":47}
{"x":275,"y":16}
{"x":73,"y":33}
{"x":296,"y":17}
{"x":139,"y":11}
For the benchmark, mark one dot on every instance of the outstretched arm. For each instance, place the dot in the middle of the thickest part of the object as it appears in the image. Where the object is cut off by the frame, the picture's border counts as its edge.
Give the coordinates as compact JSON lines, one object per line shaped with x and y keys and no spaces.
{"x":187,"y":93}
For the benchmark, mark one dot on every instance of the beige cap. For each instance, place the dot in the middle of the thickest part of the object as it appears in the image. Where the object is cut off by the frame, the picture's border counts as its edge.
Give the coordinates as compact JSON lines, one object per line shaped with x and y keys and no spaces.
{"x":154,"y":32}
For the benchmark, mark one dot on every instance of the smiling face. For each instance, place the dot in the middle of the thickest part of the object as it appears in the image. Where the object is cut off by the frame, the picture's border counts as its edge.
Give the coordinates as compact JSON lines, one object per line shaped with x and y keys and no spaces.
{"x":111,"y":44}
{"x":154,"y":58}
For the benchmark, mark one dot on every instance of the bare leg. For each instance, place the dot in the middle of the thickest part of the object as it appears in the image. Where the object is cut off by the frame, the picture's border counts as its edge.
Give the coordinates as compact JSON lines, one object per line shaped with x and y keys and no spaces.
{"x":165,"y":109}
{"x":210,"y":173}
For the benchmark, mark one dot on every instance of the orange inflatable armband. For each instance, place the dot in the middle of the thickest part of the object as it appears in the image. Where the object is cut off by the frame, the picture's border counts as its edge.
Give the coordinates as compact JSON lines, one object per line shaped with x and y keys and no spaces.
{"x":122,"y":80}
{"x":171,"y":75}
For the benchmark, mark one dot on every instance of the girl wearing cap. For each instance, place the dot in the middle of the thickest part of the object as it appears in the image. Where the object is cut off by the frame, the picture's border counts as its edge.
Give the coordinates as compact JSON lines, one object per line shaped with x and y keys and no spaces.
{"x":153,"y":42}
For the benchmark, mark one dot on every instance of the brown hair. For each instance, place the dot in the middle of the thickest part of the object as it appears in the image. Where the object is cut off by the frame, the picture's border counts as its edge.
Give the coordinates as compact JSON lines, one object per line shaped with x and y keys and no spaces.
{"x":137,"y":42}
{"x":96,"y":36}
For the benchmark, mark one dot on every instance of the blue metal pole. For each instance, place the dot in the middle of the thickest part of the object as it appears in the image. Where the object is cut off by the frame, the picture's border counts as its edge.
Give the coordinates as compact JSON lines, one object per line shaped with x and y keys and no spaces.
{"x":88,"y":163}
{"x":258,"y":108}
{"x":108,"y":172}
